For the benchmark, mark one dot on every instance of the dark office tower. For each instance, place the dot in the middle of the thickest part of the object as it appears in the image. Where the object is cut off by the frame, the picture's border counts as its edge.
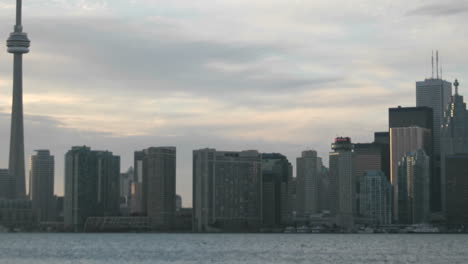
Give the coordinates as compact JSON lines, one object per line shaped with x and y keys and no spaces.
{"x":435,"y":93}
{"x":108,"y":180}
{"x":227,"y":190}
{"x":91,"y":186}
{"x":343,"y":184}
{"x":18,"y":44}
{"x":454,"y":136}
{"x":276,"y":178}
{"x":6,"y":183}
{"x":42,"y":185}
{"x":457,"y":190}
{"x":308,"y":175}
{"x":413,"y":188}
{"x":410,"y":117}
{"x":383,"y":140}
{"x":157,"y":166}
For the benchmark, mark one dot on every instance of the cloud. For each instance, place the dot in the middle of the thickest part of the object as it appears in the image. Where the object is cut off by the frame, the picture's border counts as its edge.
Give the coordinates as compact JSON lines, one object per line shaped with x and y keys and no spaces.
{"x":450,"y":9}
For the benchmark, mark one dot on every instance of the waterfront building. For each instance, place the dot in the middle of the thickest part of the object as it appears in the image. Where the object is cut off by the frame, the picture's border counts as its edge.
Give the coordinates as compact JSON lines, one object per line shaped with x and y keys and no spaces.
{"x":454,"y":136}
{"x":435,"y":93}
{"x":343,"y":184}
{"x":126,"y":181}
{"x":157,"y":168}
{"x":413,"y":188}
{"x":17,"y":214}
{"x":6,"y":184}
{"x":375,"y":198}
{"x":404,"y":140}
{"x":227,"y":190}
{"x":91,"y":186}
{"x":42,"y":185}
{"x":308,"y":175}
{"x":456,"y":171}
{"x":276,"y":175}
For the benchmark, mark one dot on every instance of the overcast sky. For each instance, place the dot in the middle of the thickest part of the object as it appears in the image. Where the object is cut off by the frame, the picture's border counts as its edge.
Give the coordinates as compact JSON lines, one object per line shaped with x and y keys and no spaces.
{"x":277,"y":76}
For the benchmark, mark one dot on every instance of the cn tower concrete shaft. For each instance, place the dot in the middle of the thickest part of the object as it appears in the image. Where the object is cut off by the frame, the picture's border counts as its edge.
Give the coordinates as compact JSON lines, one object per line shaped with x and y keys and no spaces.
{"x":18,"y":44}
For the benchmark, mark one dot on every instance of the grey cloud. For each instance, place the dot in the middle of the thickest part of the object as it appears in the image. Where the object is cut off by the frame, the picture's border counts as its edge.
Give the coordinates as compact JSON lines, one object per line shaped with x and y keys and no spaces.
{"x":447,"y":9}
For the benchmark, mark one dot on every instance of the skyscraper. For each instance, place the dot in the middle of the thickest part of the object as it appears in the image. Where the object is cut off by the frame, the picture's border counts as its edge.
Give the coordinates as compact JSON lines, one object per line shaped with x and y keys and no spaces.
{"x":404,"y":140}
{"x":454,"y":136}
{"x":91,"y":186}
{"x":158,"y":170}
{"x":435,"y":93}
{"x":42,"y":185}
{"x":18,"y":44}
{"x":343,"y":184}
{"x":308,"y":177}
{"x":227,"y":190}
{"x":413,"y":188}
{"x":375,"y":198}
{"x":276,"y":179}
{"x":457,"y":190}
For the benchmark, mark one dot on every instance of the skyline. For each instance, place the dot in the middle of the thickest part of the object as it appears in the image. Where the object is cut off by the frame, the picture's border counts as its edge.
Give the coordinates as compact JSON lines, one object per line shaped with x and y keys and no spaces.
{"x":282,"y":87}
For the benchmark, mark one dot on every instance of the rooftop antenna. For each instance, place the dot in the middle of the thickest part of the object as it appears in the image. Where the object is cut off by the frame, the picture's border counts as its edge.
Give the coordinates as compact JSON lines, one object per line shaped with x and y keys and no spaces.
{"x":437,"y":63}
{"x":432,"y":76}
{"x":456,"y":83}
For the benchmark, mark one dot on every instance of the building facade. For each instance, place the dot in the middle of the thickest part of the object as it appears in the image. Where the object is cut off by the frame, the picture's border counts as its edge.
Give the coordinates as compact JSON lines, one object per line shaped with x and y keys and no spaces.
{"x":308,"y":174}
{"x":157,"y":167}
{"x":413,"y":188}
{"x":91,"y":186}
{"x":454,"y":137}
{"x":375,"y":198}
{"x":435,"y":93}
{"x":457,"y":190}
{"x":276,"y":196}
{"x":402,"y":141}
{"x":227,"y":190}
{"x":6,"y":185}
{"x":41,"y":184}
{"x":343,"y":182}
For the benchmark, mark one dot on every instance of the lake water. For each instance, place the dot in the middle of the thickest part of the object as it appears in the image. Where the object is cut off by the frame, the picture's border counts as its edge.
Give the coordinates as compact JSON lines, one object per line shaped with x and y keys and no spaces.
{"x":231,"y":248}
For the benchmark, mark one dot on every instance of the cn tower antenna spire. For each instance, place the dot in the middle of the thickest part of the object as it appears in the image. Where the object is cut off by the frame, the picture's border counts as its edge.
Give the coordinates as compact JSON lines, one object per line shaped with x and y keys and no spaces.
{"x":18,"y":44}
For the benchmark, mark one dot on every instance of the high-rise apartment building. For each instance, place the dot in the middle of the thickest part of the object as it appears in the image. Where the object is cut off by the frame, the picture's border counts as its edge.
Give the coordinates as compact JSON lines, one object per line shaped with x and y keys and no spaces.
{"x":375,"y":198}
{"x":227,"y":190}
{"x":42,"y":185}
{"x":457,"y":190}
{"x":308,"y":175}
{"x":413,"y":188}
{"x":402,"y":141}
{"x":157,"y":168}
{"x":91,"y":186}
{"x":276,"y":179}
{"x":343,"y":183}
{"x":435,"y":93}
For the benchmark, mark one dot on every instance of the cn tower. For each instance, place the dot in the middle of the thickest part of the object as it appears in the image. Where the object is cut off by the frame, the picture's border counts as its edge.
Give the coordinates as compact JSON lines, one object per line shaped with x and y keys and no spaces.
{"x":18,"y":44}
